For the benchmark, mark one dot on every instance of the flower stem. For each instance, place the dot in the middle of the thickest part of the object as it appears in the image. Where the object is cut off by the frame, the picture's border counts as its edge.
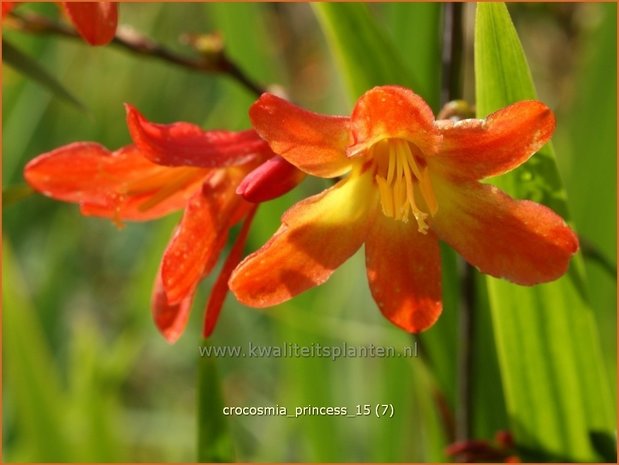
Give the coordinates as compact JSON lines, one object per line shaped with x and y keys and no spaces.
{"x":451,"y":89}
{"x":451,"y":57}
{"x":215,"y":442}
{"x":216,"y":62}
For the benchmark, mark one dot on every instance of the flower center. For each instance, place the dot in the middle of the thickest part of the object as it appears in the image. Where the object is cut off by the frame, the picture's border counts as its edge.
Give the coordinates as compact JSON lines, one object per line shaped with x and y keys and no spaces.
{"x":404,"y":182}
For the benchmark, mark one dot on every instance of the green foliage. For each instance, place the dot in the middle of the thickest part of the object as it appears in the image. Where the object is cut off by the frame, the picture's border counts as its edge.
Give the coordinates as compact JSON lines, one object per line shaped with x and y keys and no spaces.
{"x":365,"y":54}
{"x":86,"y":376}
{"x":31,"y":68}
{"x":556,"y":389}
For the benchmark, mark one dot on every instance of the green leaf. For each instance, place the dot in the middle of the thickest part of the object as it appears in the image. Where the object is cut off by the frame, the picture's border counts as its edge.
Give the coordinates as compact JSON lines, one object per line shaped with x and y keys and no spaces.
{"x":214,"y":440}
{"x":364,"y":54}
{"x":416,"y":32}
{"x":23,"y":63}
{"x":549,"y":353}
{"x":588,"y":163}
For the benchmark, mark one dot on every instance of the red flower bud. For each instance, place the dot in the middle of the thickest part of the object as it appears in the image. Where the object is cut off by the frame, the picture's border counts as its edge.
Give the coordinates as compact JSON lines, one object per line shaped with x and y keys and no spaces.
{"x":272,"y":179}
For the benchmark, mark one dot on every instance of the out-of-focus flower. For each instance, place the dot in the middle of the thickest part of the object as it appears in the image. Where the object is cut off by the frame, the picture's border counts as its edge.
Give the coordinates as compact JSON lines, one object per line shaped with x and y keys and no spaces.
{"x":95,"y":21}
{"x":502,"y":449}
{"x":411,"y":180}
{"x":169,"y":168}
{"x":7,"y":7}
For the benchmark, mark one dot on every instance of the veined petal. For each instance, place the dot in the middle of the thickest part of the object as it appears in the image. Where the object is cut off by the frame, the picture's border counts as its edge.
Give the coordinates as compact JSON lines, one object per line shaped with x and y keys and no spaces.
{"x":272,"y":179}
{"x":169,"y":319}
{"x":519,"y":240}
{"x":95,"y":21}
{"x":317,"y":235}
{"x":314,"y":143}
{"x":393,"y":112}
{"x":201,"y":236}
{"x":121,"y":185}
{"x":404,"y":273}
{"x":184,"y":144}
{"x":476,"y":149}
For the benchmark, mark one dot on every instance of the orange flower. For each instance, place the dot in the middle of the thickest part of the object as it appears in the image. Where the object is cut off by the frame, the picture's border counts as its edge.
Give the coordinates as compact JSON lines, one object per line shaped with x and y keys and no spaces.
{"x":95,"y":21}
{"x":411,"y":181}
{"x":133,"y":184}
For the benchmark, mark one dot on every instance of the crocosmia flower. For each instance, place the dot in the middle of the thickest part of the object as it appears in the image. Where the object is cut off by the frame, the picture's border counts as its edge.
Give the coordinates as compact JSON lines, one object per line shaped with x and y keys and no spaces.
{"x":94,"y":21}
{"x":409,"y":181}
{"x":170,"y":167}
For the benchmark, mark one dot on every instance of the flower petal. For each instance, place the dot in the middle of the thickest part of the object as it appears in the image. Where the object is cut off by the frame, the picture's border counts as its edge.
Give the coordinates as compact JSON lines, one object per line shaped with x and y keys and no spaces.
{"x":476,"y":149}
{"x":169,"y":319}
{"x":272,"y":179}
{"x":519,"y":240}
{"x":95,"y":21}
{"x":404,"y":273}
{"x":317,"y":235}
{"x":393,"y":112}
{"x":184,"y":144}
{"x":220,"y":288}
{"x":118,"y":185}
{"x":201,"y":236}
{"x":7,"y":7}
{"x":314,"y":143}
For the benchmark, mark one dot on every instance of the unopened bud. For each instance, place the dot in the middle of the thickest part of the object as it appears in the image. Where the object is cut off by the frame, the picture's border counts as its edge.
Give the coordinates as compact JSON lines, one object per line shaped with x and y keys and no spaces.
{"x":274,"y":178}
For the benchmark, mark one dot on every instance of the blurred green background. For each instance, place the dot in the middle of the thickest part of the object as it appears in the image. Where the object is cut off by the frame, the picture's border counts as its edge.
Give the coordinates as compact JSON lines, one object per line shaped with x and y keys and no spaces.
{"x":86,"y":376}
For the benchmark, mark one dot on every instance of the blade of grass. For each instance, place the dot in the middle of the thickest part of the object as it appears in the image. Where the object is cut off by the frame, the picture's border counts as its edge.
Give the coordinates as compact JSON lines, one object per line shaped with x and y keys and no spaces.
{"x":364,"y":53}
{"x":556,"y":393}
{"x":28,"y":66}
{"x":415,"y":30}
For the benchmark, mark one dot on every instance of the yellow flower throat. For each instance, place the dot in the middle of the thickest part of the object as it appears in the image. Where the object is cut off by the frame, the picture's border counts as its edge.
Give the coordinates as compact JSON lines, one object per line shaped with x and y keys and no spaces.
{"x":403,"y":182}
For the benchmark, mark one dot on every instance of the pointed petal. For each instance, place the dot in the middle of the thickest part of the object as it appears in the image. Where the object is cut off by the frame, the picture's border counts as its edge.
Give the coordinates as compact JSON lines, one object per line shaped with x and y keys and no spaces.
{"x":118,"y":185}
{"x":313,"y":143}
{"x":184,"y":144}
{"x":404,"y":273}
{"x":317,"y":235}
{"x":393,"y":112}
{"x":274,"y":178}
{"x":476,"y":149}
{"x":518,"y":240}
{"x":170,"y":320}
{"x":220,"y":289}
{"x":95,"y":21}
{"x":200,"y":237}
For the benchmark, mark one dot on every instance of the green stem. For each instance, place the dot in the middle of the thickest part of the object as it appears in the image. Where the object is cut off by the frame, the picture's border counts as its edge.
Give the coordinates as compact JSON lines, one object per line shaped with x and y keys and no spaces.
{"x":216,"y":63}
{"x":214,"y":439}
{"x":451,"y":89}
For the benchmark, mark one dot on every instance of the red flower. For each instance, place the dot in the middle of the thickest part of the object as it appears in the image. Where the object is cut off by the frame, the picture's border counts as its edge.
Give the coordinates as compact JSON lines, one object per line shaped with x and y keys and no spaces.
{"x":411,"y":181}
{"x":146,"y":181}
{"x":95,"y":21}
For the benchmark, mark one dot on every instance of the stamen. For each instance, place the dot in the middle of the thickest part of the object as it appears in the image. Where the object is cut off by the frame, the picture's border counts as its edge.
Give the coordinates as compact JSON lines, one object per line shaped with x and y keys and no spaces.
{"x":397,"y":191}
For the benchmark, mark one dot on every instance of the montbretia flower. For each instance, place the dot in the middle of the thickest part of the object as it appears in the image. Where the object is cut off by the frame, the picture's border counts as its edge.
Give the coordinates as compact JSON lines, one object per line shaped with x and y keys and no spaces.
{"x":409,"y":181}
{"x":169,"y":168}
{"x":94,"y":21}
